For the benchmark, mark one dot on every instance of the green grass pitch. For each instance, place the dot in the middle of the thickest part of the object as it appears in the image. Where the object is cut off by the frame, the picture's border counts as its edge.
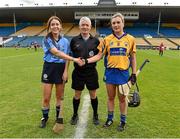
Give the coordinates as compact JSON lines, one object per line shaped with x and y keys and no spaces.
{"x":158,"y":115}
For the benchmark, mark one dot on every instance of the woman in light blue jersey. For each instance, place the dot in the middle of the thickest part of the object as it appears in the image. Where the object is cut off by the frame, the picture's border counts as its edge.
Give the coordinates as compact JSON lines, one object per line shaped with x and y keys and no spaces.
{"x":55,"y":69}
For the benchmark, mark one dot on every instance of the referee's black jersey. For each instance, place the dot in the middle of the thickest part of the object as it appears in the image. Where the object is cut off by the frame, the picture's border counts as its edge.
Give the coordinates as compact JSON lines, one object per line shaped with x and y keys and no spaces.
{"x":84,"y":49}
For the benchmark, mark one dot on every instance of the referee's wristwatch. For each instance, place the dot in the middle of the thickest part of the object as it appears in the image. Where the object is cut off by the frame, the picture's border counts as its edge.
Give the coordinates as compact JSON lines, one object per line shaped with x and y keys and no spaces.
{"x":86,"y":61}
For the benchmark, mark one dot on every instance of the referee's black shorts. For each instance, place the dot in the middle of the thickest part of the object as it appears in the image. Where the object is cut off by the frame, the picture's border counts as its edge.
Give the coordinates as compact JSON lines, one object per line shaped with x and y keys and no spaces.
{"x":52,"y":73}
{"x":82,"y":77}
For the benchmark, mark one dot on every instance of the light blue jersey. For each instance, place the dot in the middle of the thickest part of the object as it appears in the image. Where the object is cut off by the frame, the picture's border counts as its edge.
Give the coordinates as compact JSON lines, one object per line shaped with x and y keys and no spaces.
{"x":62,"y":45}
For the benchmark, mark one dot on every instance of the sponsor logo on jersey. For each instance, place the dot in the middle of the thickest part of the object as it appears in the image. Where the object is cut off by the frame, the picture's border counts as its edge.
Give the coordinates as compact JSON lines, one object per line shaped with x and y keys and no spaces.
{"x":118,"y":51}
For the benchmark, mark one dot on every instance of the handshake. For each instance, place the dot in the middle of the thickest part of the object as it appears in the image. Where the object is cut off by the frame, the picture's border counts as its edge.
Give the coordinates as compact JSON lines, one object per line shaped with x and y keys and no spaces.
{"x":80,"y":61}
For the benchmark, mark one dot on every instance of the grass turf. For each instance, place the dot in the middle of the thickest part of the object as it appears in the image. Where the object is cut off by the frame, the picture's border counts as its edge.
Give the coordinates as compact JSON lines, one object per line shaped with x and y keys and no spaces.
{"x":20,"y":98}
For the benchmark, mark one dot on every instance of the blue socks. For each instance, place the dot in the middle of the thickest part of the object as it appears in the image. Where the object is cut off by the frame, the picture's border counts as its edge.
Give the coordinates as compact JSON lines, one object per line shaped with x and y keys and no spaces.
{"x":123,"y":118}
{"x":45,"y":112}
{"x":110,"y":115}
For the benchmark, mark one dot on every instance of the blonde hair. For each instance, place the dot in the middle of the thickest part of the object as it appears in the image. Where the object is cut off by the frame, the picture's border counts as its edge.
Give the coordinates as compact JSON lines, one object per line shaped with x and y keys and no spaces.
{"x":118,"y":15}
{"x":84,"y":18}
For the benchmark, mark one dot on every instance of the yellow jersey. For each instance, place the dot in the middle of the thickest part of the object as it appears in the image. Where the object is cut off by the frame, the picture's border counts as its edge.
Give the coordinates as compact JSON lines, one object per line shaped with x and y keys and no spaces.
{"x":117,"y":50}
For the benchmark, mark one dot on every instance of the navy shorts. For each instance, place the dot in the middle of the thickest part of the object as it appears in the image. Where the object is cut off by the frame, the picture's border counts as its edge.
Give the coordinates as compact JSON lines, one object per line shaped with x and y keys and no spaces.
{"x":52,"y":73}
{"x":88,"y":77}
{"x":116,"y":76}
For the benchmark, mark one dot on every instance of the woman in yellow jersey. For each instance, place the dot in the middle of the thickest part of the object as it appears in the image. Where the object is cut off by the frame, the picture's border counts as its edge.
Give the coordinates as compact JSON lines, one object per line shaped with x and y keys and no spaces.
{"x":119,"y":50}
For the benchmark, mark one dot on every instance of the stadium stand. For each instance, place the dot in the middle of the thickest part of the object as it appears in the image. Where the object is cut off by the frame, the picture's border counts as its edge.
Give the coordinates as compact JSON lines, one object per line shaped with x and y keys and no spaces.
{"x":104,"y":30}
{"x":144,"y":27}
{"x":6,"y":25}
{"x":24,"y":41}
{"x":29,"y":31}
{"x":66,"y":28}
{"x":28,"y":41}
{"x":137,"y":30}
{"x":170,"y":32}
{"x":75,"y":31}
{"x":157,"y":41}
{"x":141,"y":31}
{"x":176,"y":40}
{"x":14,"y":41}
{"x":8,"y":29}
{"x":141,"y":42}
{"x":171,"y":25}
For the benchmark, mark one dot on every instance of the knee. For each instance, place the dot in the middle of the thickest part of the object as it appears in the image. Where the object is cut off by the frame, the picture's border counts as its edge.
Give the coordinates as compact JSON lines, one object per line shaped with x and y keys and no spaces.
{"x":122,"y":99}
{"x":111,"y":98}
{"x":77,"y":96}
{"x":46,"y":101}
{"x":93,"y":96}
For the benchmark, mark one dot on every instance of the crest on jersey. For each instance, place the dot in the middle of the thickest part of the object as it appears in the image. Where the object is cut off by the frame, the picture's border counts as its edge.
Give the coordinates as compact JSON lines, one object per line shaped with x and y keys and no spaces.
{"x":126,"y":44}
{"x":45,"y":76}
{"x":91,"y":53}
{"x":111,"y":43}
{"x":77,"y":46}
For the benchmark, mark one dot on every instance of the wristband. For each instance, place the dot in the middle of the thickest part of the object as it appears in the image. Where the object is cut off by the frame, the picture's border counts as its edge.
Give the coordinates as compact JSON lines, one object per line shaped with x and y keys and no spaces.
{"x":86,"y":61}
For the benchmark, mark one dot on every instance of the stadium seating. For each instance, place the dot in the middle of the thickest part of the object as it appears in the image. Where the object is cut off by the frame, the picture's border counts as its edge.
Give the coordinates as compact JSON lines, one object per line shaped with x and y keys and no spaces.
{"x":170,"y":31}
{"x":137,"y":30}
{"x":14,"y":42}
{"x":29,"y":31}
{"x":157,"y":42}
{"x":141,"y":42}
{"x":28,"y":41}
{"x":141,"y":31}
{"x":8,"y":29}
{"x":104,"y":30}
{"x":66,"y":28}
{"x":75,"y":31}
{"x":24,"y":41}
{"x":176,"y":40}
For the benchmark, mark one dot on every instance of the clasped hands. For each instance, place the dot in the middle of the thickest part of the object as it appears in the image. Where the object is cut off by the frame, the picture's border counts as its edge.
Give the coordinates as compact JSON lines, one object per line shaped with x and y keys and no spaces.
{"x":80,"y":61}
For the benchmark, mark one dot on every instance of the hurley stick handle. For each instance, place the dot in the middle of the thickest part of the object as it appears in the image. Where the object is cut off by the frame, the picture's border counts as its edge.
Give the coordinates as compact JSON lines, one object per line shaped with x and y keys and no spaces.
{"x":143,"y":64}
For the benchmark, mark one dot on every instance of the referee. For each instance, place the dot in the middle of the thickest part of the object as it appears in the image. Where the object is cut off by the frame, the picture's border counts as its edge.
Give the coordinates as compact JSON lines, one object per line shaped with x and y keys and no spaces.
{"x":85,"y":46}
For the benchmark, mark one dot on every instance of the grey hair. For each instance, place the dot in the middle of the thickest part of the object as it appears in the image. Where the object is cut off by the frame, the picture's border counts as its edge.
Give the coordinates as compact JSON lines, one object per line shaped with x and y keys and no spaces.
{"x":118,"y":15}
{"x":84,"y":18}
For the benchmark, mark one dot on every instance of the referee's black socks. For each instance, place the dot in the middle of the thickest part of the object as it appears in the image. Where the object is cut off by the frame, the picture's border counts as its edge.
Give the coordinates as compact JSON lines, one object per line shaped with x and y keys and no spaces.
{"x":76,"y":103}
{"x":94,"y":103}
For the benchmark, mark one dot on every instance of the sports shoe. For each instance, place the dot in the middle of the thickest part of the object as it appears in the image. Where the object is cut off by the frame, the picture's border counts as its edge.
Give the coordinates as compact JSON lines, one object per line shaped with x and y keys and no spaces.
{"x":74,"y":119}
{"x":95,"y":119}
{"x":43,"y":123}
{"x":121,"y":127}
{"x":108,"y":123}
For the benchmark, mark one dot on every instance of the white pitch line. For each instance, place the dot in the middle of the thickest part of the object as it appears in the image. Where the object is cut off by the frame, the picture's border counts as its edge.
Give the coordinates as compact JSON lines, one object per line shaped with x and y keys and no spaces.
{"x":83,"y":118}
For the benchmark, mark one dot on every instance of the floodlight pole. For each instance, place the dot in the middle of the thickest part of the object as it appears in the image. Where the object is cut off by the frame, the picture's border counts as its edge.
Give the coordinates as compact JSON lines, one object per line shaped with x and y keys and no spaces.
{"x":14,"y":21}
{"x":159,"y":22}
